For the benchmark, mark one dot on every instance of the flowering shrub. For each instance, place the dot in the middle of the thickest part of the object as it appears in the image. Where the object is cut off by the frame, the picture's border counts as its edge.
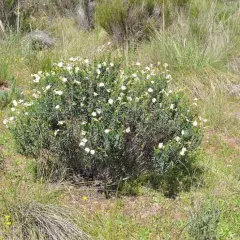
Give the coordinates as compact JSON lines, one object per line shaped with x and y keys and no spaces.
{"x":104,"y":122}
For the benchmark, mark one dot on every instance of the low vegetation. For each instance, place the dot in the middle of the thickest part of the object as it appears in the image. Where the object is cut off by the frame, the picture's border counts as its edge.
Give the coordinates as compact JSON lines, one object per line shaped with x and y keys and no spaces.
{"x":135,"y":139}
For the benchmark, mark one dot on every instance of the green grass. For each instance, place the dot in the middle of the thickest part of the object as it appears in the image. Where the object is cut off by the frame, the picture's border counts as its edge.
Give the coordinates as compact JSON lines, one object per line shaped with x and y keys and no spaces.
{"x":198,"y":52}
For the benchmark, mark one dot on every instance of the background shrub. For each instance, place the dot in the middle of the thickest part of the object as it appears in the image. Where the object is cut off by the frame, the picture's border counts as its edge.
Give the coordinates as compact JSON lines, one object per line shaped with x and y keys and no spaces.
{"x":134,"y":20}
{"x":103,"y":122}
{"x":128,"y":20}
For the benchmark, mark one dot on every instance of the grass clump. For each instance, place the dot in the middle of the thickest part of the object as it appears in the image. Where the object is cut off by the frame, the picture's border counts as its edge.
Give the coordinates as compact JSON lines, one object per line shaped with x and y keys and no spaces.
{"x":204,"y":222}
{"x":39,"y":221}
{"x":7,"y":85}
{"x":106,"y":123}
{"x":131,"y":20}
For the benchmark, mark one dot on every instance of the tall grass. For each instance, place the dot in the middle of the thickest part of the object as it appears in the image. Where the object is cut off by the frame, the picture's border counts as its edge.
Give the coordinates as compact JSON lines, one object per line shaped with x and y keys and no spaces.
{"x":199,"y":45}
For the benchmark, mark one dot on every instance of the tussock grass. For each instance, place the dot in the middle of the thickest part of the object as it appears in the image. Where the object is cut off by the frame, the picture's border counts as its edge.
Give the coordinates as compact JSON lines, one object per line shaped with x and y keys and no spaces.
{"x":41,"y":221}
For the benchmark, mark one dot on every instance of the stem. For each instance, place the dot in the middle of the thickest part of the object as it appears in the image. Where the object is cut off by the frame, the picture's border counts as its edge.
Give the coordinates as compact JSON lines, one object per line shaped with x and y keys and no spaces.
{"x":163,"y":25}
{"x":18,"y":17}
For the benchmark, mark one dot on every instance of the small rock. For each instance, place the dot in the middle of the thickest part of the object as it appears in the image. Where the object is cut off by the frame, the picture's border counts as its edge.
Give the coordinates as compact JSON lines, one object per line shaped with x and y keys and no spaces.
{"x":38,"y":40}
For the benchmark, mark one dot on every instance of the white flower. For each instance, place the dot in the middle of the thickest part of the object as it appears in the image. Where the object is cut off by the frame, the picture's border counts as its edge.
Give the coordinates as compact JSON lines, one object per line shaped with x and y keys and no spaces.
{"x":26,"y":113}
{"x":177,"y":139}
{"x":172,"y":106}
{"x":110,"y":101}
{"x":128,"y":130}
{"x":94,"y":114}
{"x":82,"y":144}
{"x":168,"y":77}
{"x":136,"y":99}
{"x":182,"y":153}
{"x":77,"y":69}
{"x":123,"y":88}
{"x":21,"y":101}
{"x":111,"y":64}
{"x":92,"y":152}
{"x":36,"y":78}
{"x":28,"y":104}
{"x":129,"y":99}
{"x":106,"y":131}
{"x":99,"y":111}
{"x":69,"y":68}
{"x":61,"y":122}
{"x":48,"y":87}
{"x":101,"y":84}
{"x":56,"y":132}
{"x":165,"y":65}
{"x":152,"y":82}
{"x":205,"y":120}
{"x":119,"y":98}
{"x":99,"y":66}
{"x":86,"y":61}
{"x":138,"y":63}
{"x":150,"y":90}
{"x":12,"y":109}
{"x":5,"y":121}
{"x":15,"y":103}
{"x":183,"y":132}
{"x":160,"y":145}
{"x":58,"y":92}
{"x":195,"y":123}
{"x":154,"y":100}
{"x":84,"y":122}
{"x":35,"y":95}
{"x":57,"y":107}
{"x":83,"y":133}
{"x":60,"y":64}
{"x":87,"y":150}
{"x":77,"y":82}
{"x":63,"y":79}
{"x":134,"y":75}
{"x":84,"y":140}
{"x":98,"y":71}
{"x":195,"y":99}
{"x":95,"y":94}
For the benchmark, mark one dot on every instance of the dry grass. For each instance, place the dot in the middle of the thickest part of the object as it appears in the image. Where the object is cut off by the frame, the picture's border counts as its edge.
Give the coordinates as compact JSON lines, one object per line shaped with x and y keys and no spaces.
{"x":41,"y":221}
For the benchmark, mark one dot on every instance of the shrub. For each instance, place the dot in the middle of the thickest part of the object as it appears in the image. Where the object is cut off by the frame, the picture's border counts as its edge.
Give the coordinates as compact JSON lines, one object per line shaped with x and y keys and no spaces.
{"x":134,"y":20}
{"x":21,"y":15}
{"x":104,"y":122}
{"x":128,"y":20}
